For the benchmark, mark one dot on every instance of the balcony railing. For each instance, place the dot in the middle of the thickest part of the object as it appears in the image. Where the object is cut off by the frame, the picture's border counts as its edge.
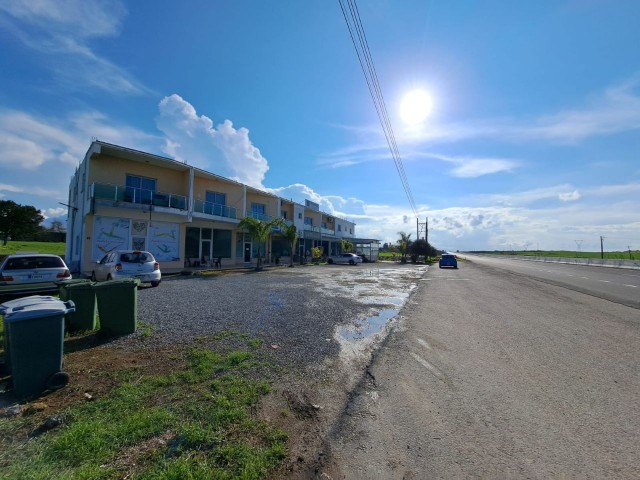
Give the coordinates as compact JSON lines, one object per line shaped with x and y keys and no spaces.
{"x":311,"y":228}
{"x":327,"y":231}
{"x":121,"y":193}
{"x":215,"y":209}
{"x":259,"y":216}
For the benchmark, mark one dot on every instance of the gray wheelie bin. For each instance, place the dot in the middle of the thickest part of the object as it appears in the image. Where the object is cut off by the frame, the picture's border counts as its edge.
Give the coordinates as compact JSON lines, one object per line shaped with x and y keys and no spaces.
{"x":35,"y":339}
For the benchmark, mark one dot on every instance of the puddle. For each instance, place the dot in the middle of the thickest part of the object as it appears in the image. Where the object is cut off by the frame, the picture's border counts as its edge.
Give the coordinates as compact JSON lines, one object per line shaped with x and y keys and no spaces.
{"x":362,"y":329}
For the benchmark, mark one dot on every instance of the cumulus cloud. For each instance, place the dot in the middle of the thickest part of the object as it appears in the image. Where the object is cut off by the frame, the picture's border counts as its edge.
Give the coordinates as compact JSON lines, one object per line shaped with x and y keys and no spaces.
{"x":332,"y":204}
{"x":220,"y":149}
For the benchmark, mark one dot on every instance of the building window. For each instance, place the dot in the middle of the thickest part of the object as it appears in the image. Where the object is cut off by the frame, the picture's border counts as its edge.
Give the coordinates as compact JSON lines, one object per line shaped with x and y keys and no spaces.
{"x":216,"y":198}
{"x":215,"y":204}
{"x":283,"y":214}
{"x":259,"y":211}
{"x":139,"y":189}
{"x":339,"y":227}
{"x":308,"y":221}
{"x":299,"y":216}
{"x":350,"y":229}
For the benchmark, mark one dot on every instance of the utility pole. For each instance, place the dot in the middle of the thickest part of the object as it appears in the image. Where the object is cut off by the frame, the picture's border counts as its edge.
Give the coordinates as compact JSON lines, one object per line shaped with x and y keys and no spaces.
{"x":578,"y":244}
{"x":629,"y":247}
{"x":602,"y":247}
{"x":422,"y":229}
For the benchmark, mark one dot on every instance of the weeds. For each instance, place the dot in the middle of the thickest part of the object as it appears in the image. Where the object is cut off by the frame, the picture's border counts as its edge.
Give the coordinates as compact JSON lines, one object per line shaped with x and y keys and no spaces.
{"x":192,"y":423}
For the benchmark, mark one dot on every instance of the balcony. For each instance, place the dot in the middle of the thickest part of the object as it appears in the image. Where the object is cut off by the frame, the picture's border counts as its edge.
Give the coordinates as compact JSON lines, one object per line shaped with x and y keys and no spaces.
{"x":120,"y":193}
{"x":215,"y":209}
{"x":259,"y":216}
{"x":327,"y":231}
{"x":311,"y":228}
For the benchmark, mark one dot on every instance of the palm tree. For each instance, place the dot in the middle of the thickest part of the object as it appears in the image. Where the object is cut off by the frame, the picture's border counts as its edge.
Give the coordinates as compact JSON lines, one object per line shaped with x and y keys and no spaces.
{"x":403,"y":245}
{"x":346,"y":246}
{"x":260,"y":231}
{"x":290,"y":232}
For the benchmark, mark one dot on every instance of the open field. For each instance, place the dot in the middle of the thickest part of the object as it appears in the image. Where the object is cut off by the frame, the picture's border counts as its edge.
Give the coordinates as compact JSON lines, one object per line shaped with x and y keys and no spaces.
{"x":633,"y":255}
{"x":56,"y":248}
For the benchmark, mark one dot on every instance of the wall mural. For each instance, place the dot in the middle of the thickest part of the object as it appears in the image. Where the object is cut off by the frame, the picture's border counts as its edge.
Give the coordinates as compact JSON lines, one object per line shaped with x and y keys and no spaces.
{"x":162,"y":239}
{"x":109,"y":234}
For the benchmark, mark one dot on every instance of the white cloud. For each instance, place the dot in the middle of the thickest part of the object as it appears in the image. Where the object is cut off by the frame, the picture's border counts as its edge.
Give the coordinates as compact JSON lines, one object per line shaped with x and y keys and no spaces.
{"x":54,"y":212}
{"x":333,"y":204}
{"x":569,"y":196}
{"x":220,"y":149}
{"x":61,"y":31}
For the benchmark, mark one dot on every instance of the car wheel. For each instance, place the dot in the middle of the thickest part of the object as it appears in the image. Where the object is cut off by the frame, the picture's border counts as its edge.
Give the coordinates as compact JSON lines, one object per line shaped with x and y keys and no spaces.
{"x":109,"y":277}
{"x":155,"y":284}
{"x":93,"y":277}
{"x":351,"y":262}
{"x":330,"y":261}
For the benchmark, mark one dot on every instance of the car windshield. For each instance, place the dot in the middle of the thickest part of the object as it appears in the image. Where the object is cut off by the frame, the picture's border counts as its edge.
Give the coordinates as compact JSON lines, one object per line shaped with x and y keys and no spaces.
{"x":29,"y":263}
{"x":136,"y":257}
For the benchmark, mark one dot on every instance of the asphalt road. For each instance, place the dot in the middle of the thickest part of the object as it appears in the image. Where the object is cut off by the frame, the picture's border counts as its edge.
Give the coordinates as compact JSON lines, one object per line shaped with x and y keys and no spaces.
{"x":495,"y":374}
{"x":616,"y":284}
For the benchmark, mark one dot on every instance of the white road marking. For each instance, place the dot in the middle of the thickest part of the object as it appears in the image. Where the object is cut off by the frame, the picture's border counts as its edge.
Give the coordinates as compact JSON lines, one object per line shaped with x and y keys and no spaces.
{"x":632,"y":286}
{"x":424,"y":343}
{"x":427,"y":365}
{"x":585,"y":278}
{"x":604,"y":281}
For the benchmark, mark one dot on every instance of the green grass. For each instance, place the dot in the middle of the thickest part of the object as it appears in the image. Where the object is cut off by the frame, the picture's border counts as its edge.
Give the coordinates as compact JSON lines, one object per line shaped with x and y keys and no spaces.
{"x":191,"y":423}
{"x":56,"y":248}
{"x":634,"y":255}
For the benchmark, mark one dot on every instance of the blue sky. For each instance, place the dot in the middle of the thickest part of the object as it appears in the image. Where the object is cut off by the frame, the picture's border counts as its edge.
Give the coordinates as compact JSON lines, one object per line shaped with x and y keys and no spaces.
{"x":533,"y":140}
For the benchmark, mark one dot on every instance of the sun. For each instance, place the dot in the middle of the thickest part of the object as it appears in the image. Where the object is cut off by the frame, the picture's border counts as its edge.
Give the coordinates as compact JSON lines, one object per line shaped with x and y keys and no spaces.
{"x":415,"y":107}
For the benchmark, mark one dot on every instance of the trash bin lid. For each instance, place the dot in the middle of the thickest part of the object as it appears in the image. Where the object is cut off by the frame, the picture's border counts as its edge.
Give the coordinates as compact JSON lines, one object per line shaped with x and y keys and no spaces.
{"x":33,"y":299}
{"x":124,"y":282}
{"x":73,"y":281}
{"x":44,"y":309}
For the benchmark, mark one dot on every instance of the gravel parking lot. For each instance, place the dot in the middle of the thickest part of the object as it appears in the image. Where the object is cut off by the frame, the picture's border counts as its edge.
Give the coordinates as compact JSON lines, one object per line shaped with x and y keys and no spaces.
{"x":310,"y":313}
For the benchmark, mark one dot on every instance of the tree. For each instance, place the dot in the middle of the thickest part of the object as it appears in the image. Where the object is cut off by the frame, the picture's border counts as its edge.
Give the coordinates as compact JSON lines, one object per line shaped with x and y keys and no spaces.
{"x":346,"y":246}
{"x":290,"y":232}
{"x":16,"y":219}
{"x":404,"y":243}
{"x":260,"y":231}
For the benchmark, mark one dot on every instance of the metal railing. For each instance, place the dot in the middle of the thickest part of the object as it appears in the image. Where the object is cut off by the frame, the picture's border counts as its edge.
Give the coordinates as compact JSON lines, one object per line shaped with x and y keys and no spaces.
{"x":311,"y":228}
{"x":215,"y":209}
{"x":327,"y":231}
{"x":121,"y":193}
{"x":259,"y":216}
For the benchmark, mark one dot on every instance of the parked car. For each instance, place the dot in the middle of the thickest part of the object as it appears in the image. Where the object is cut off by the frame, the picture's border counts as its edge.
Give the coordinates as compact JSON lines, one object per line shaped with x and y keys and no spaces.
{"x":448,"y":260}
{"x":346,"y":258}
{"x":32,"y":272}
{"x":121,"y":264}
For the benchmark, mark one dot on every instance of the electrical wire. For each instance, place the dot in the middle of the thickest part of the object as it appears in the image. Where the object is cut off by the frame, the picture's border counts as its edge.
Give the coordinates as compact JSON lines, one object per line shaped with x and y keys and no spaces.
{"x":354,"y":24}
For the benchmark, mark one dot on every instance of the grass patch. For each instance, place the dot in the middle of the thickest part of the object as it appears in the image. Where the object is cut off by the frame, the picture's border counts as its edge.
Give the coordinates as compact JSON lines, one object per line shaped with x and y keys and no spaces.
{"x":193,"y":422}
{"x":55,"y":248}
{"x":628,"y":255}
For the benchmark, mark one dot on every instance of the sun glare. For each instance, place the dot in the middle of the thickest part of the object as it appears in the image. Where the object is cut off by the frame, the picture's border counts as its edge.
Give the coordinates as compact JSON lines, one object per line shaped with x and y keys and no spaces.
{"x":415,"y":107}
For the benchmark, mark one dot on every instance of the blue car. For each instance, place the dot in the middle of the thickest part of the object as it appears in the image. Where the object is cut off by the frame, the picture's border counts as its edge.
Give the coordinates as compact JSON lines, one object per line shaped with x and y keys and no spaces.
{"x":448,"y":260}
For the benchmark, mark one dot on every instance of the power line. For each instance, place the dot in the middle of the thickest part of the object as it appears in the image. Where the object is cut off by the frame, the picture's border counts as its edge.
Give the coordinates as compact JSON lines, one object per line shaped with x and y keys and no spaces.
{"x":352,"y":18}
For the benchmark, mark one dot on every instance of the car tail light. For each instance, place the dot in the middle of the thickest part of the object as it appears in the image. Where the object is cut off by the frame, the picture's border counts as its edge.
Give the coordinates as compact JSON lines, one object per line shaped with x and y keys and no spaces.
{"x":7,"y":278}
{"x":156,"y":266}
{"x":64,"y":274}
{"x":118,"y":267}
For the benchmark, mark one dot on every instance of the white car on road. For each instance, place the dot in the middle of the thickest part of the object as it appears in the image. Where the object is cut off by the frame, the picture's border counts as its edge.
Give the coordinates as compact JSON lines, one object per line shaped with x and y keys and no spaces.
{"x":346,"y":258}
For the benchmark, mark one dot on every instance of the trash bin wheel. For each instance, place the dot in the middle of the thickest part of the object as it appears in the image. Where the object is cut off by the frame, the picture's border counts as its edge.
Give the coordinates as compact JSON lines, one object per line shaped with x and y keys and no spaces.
{"x":57,"y":380}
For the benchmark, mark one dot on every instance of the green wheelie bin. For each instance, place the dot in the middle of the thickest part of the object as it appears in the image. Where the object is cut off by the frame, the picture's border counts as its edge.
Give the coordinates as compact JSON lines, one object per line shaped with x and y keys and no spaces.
{"x":117,"y":306}
{"x":80,"y":291}
{"x":35,"y":339}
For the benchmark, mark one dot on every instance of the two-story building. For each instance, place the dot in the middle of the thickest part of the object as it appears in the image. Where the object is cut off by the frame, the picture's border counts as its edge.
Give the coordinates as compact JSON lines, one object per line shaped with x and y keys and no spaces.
{"x":120,"y":198}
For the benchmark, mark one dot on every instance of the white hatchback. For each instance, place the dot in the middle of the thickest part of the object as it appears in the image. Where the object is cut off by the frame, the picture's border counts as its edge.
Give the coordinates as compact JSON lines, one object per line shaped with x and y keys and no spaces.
{"x":128,"y":264}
